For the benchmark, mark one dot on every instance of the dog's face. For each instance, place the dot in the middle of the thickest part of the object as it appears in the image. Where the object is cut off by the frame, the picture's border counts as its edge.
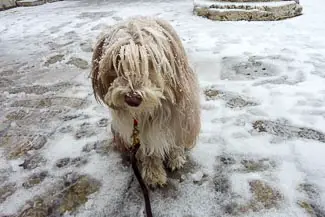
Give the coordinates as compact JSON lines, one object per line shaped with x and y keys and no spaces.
{"x":136,"y":92}
{"x":137,"y":65}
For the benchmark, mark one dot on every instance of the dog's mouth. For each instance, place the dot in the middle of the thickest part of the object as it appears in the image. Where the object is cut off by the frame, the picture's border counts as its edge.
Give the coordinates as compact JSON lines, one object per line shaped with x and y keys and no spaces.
{"x":133,"y":99}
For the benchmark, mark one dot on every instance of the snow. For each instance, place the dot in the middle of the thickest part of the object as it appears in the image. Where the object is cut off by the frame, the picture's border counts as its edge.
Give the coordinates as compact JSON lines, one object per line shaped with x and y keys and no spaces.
{"x":294,"y":48}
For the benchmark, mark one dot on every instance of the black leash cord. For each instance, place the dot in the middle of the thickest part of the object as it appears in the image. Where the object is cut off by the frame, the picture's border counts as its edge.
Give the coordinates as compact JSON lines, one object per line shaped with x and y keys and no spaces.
{"x":140,"y":180}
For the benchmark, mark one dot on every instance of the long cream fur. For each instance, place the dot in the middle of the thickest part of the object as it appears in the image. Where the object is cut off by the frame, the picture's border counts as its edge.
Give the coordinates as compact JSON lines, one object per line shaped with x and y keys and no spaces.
{"x":145,"y":55}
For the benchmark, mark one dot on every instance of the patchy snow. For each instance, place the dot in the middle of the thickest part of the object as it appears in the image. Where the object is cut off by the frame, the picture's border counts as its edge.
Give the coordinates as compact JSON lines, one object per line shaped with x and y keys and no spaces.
{"x":264,"y":71}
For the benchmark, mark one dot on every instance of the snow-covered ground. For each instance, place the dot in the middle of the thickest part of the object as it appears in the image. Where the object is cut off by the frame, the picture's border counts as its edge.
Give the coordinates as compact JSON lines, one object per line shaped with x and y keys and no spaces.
{"x":261,"y":150}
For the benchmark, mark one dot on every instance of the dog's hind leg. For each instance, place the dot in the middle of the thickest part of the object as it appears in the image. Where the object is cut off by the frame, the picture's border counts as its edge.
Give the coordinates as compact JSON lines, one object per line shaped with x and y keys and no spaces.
{"x":176,"y":158}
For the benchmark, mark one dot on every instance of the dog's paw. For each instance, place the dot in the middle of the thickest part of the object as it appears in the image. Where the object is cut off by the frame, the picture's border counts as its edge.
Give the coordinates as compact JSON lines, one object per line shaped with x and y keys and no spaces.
{"x":176,"y":163}
{"x":154,"y":176}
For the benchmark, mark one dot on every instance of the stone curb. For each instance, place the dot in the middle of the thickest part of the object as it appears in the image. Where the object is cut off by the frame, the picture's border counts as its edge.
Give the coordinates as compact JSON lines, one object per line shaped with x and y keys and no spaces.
{"x":8,"y":4}
{"x":241,"y":10}
{"x":26,"y":3}
{"x":297,"y":1}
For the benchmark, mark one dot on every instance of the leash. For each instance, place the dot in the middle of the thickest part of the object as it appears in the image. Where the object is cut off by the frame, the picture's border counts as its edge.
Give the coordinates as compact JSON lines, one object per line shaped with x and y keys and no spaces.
{"x":133,"y":150}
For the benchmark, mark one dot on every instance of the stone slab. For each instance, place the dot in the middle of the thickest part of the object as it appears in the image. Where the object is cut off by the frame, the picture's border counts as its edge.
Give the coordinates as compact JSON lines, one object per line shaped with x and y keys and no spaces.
{"x":27,"y":3}
{"x":6,"y":4}
{"x":50,"y":1}
{"x":297,"y":1}
{"x":259,"y":10}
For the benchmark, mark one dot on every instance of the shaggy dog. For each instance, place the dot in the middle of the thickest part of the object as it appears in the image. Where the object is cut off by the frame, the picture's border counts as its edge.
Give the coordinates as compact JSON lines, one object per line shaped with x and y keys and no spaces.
{"x":140,"y":71}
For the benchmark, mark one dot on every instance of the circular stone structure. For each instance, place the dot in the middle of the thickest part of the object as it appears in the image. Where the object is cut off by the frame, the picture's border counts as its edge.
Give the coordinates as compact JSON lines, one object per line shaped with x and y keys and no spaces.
{"x":7,"y":4}
{"x":249,"y":10}
{"x":27,"y":3}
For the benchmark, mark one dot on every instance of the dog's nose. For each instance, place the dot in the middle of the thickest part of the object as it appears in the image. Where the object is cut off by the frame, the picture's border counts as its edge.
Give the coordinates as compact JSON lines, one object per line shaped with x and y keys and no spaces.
{"x":133,"y":99}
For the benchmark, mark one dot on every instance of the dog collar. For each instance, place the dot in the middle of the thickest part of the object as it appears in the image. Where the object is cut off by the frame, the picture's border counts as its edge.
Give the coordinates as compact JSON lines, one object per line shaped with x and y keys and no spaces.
{"x":135,"y":135}
{"x":135,"y":122}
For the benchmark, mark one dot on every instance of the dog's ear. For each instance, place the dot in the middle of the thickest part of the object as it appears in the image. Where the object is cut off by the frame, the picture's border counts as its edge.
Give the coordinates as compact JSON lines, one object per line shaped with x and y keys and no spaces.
{"x":182,"y":71}
{"x":100,"y":81}
{"x":97,"y":85}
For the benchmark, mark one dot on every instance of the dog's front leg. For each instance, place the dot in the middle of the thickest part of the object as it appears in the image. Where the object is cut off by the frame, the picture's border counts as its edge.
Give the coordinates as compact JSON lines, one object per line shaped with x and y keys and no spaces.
{"x":152,"y":170}
{"x":176,"y":158}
